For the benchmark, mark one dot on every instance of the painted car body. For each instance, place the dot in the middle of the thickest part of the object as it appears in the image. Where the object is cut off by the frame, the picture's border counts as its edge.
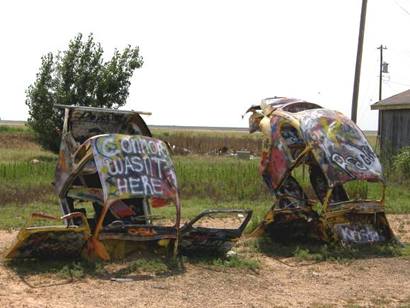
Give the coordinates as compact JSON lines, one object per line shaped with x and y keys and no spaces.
{"x":113,"y":180}
{"x":300,"y":135}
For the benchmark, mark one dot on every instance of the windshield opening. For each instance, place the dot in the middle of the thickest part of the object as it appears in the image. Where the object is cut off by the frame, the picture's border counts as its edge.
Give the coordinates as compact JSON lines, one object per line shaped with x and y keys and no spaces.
{"x":361,"y":192}
{"x":163,"y":212}
{"x":85,"y":124}
{"x":293,"y":140}
{"x":301,"y":106}
{"x":307,"y":185}
{"x":364,"y":190}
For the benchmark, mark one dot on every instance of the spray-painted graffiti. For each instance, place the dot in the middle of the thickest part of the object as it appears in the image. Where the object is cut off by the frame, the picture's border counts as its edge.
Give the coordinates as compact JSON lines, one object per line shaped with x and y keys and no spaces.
{"x":108,"y":159}
{"x":349,"y":162}
{"x":50,"y":244}
{"x":339,"y":146}
{"x":333,"y":151}
{"x":86,"y":124}
{"x":135,"y":166}
{"x":358,"y":234}
{"x":363,"y":161}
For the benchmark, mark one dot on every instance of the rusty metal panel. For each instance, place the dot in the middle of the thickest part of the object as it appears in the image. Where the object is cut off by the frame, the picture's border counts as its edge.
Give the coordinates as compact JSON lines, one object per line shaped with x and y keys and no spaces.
{"x":334,"y":151}
{"x":275,"y":162}
{"x":109,"y":161}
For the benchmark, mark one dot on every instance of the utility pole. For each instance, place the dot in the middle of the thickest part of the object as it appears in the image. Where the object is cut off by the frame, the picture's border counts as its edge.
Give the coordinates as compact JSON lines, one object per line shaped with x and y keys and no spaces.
{"x":381,"y":70}
{"x":358,"y":61}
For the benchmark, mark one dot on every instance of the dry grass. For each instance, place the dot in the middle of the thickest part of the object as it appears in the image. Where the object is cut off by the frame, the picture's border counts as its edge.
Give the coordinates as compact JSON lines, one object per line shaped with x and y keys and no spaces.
{"x":24,"y":195}
{"x":202,"y":142}
{"x":21,"y":146}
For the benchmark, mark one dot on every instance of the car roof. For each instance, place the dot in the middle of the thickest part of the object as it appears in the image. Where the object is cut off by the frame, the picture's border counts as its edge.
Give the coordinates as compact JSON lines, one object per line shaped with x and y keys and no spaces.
{"x":96,"y":109}
{"x":285,"y":103}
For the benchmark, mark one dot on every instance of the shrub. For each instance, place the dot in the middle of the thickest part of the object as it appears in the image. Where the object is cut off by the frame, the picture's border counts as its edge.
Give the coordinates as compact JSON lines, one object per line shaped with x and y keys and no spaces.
{"x":401,"y":164}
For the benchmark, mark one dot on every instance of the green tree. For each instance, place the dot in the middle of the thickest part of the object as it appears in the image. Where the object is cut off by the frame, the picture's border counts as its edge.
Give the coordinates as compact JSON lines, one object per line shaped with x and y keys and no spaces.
{"x":78,"y":76}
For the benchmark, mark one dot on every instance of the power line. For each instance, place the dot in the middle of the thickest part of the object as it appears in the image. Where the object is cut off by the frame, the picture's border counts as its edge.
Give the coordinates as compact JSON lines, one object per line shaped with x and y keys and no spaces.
{"x":402,"y":8}
{"x":388,"y":84}
{"x":400,"y":51}
{"x":399,"y":83}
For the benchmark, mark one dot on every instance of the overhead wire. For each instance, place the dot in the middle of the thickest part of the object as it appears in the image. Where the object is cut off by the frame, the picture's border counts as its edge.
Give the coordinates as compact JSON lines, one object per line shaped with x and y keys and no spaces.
{"x":398,"y":83}
{"x":402,"y":8}
{"x":404,"y":52}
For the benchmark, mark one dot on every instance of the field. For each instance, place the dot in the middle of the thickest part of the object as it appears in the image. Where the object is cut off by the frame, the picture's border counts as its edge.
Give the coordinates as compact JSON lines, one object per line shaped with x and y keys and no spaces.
{"x":260,"y":274}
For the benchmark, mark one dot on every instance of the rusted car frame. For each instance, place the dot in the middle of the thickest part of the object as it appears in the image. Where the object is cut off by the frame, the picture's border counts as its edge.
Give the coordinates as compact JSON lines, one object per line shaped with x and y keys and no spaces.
{"x":306,"y":138}
{"x":112,"y":178}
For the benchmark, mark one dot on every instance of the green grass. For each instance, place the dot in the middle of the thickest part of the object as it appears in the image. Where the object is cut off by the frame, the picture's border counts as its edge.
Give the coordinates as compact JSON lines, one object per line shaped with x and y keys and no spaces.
{"x":317,"y":252}
{"x":24,"y":173}
{"x":204,"y":181}
{"x":25,"y":182}
{"x":131,"y":269}
{"x":64,"y":269}
{"x":15,"y":129}
{"x":213,"y":178}
{"x":79,"y":269}
{"x":235,"y":261}
{"x":219,"y":178}
{"x":16,"y":156}
{"x":397,"y":199}
{"x":153,"y":264}
{"x":18,"y":145}
{"x":15,"y":216}
{"x":372,"y":138}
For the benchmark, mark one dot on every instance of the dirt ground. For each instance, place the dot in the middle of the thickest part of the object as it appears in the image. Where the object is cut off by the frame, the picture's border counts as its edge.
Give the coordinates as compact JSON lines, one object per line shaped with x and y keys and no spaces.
{"x":284,"y":282}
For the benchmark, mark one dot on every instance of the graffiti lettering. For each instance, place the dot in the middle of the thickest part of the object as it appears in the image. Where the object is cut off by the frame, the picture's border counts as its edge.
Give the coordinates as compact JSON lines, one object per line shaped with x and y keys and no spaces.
{"x":350,"y":162}
{"x":137,"y":175}
{"x":356,"y":162}
{"x":134,"y":165}
{"x":358,"y":234}
{"x":109,"y":147}
{"x":139,"y":186}
{"x":99,"y":117}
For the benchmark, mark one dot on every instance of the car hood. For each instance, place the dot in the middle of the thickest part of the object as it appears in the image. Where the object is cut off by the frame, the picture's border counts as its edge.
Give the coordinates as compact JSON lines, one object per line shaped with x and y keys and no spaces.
{"x":339,"y":146}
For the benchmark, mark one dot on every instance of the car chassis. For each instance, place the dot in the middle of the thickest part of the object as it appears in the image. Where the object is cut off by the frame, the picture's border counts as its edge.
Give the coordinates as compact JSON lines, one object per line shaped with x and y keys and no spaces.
{"x":109,"y":162}
{"x":300,"y":135}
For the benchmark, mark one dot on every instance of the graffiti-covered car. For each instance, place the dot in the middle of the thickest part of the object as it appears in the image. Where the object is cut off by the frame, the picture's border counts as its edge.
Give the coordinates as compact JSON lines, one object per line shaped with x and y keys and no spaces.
{"x":326,"y":179}
{"x":118,"y":194}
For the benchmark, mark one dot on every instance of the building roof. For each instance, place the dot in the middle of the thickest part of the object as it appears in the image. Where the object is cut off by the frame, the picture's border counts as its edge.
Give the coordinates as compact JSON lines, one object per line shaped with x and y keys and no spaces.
{"x":398,"y":101}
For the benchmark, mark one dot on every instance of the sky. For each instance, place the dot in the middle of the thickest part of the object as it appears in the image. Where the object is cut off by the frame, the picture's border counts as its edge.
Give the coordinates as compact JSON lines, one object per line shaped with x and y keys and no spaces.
{"x":206,"y":62}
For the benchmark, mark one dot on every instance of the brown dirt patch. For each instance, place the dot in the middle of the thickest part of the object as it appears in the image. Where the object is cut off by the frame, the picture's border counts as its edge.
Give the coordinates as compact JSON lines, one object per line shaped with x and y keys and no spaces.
{"x":283,"y":282}
{"x":401,"y":226}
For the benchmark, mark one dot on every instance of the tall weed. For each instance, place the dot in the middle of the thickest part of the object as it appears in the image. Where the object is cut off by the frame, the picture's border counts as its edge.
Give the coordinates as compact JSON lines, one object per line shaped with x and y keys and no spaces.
{"x":401,"y":164}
